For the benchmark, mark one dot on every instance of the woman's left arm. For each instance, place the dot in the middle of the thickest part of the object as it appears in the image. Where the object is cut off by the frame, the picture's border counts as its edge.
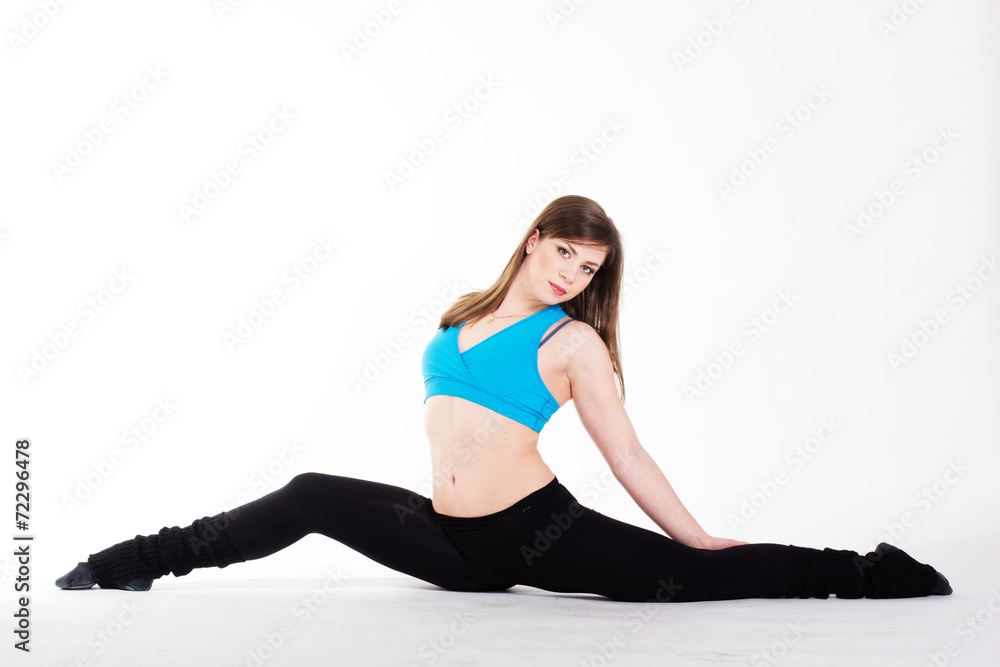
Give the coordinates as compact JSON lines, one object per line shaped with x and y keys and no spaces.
{"x":596,"y":398}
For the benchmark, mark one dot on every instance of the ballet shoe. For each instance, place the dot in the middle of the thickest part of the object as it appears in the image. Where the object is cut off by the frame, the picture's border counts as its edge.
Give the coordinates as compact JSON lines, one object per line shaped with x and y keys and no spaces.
{"x":941,"y":585}
{"x":82,"y":577}
{"x":79,"y":578}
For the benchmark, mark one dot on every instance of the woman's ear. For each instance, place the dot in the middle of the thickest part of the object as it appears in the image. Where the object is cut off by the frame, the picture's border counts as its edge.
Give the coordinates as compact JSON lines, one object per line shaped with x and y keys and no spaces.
{"x":532,"y":240}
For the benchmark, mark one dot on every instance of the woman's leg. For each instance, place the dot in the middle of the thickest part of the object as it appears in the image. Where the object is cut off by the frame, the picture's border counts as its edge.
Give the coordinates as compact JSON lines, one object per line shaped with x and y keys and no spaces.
{"x":597,"y":554}
{"x":550,"y":541}
{"x":389,"y":524}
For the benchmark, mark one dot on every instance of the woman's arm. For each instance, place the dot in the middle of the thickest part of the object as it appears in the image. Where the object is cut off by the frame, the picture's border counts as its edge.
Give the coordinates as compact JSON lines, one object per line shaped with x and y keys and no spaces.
{"x":596,"y":398}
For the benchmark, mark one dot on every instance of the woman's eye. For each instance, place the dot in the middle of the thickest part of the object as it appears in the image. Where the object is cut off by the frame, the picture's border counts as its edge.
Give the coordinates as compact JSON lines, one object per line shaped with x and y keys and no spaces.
{"x":586,"y":268}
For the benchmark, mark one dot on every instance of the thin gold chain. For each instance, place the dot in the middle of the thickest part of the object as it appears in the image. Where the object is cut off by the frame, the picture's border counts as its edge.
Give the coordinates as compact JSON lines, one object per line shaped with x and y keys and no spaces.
{"x":490,"y":321}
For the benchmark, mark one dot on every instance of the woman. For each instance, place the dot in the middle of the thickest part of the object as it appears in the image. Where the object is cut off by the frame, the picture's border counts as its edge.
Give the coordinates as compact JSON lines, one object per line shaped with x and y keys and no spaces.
{"x":500,"y":364}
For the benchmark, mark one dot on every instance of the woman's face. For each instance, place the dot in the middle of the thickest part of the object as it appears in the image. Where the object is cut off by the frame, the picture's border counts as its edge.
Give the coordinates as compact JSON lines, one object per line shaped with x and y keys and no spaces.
{"x":560,"y":269}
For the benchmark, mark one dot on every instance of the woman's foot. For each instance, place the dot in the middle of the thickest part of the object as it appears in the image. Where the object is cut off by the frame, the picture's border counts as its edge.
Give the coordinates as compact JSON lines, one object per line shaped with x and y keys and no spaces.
{"x":941,"y":585}
{"x":82,"y":577}
{"x":896,"y":574}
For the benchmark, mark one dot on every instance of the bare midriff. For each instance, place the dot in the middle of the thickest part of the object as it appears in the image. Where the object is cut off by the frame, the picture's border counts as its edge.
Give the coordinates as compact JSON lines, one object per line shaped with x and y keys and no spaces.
{"x":481,"y":461}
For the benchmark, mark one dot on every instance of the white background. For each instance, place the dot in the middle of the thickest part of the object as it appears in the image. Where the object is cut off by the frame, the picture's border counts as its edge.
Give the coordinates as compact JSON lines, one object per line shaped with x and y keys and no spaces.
{"x":891,"y":86}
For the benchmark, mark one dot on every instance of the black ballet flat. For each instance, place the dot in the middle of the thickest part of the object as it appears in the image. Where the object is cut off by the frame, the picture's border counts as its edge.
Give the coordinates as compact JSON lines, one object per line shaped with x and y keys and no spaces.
{"x":79,"y":578}
{"x":941,"y":586}
{"x":144,"y":584}
{"x":82,"y":577}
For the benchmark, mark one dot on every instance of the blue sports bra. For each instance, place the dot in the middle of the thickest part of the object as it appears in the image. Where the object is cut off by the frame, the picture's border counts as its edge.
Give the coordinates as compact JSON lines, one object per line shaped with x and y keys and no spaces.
{"x":499,"y":372}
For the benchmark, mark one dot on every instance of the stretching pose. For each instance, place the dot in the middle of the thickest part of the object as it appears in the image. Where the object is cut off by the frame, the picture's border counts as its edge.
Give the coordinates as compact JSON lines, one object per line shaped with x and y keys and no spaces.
{"x":500,"y":364}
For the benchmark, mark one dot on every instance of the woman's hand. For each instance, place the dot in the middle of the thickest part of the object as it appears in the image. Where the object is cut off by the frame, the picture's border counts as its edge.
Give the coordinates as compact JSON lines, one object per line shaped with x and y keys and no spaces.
{"x":709,"y":542}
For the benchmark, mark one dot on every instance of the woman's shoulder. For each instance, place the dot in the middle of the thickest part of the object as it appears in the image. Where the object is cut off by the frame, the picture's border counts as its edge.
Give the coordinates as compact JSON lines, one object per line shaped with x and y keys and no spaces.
{"x":580,"y":337}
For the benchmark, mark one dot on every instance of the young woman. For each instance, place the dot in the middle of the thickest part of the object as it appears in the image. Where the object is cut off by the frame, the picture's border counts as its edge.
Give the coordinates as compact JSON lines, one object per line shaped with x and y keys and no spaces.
{"x":501,"y":363}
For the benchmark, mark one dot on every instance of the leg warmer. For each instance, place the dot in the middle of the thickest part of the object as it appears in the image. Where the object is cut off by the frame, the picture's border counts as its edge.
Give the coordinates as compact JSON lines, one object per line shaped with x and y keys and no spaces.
{"x":173,"y":550}
{"x":847,"y":574}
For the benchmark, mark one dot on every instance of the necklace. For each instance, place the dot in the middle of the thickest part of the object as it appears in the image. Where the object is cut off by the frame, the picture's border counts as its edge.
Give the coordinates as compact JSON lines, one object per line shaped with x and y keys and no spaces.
{"x":498,"y":317}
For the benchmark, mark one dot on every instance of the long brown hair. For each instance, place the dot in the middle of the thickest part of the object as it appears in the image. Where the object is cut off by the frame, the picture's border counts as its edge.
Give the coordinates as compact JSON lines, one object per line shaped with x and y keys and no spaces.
{"x":571,"y":218}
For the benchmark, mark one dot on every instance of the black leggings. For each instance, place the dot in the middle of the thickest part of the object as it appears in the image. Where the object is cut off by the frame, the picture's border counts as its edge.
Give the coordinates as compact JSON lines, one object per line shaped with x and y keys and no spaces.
{"x":546,"y":540}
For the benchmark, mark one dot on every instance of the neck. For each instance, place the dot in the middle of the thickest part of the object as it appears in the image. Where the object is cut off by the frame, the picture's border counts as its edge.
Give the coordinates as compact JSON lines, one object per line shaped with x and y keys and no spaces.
{"x":524,"y":307}
{"x":519,"y":301}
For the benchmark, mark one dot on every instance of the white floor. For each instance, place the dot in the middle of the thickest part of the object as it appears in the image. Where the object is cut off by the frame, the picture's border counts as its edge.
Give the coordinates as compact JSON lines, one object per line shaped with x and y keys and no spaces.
{"x":397,"y":620}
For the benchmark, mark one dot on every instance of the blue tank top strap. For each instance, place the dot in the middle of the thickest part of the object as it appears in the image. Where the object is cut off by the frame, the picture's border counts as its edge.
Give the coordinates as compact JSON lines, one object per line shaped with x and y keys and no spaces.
{"x":554,"y":332}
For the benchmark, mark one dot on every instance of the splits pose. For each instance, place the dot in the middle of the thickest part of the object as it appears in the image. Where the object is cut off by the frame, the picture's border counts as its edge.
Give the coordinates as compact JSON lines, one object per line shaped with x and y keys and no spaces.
{"x":500,"y":364}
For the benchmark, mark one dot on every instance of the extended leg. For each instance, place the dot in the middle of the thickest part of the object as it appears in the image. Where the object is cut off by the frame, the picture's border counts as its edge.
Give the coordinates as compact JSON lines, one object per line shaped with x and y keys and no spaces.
{"x":565,"y":547}
{"x":389,"y":524}
{"x":601,"y":555}
{"x":625,"y":562}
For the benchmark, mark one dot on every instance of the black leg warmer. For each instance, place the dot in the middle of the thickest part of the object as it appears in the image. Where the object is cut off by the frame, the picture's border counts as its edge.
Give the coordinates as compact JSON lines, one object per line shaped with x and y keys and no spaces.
{"x":895,"y":574}
{"x":173,"y":550}
{"x":878,"y":574}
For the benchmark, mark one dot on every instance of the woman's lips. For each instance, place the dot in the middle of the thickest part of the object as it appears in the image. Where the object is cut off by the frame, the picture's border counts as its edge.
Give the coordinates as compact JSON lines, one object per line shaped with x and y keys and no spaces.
{"x":555,"y":288}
